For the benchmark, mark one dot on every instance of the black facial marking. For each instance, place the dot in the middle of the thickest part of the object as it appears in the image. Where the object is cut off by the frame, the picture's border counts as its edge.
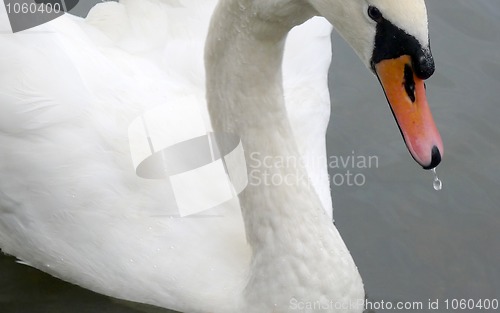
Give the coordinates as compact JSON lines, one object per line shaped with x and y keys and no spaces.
{"x":392,"y":42}
{"x":409,"y":83}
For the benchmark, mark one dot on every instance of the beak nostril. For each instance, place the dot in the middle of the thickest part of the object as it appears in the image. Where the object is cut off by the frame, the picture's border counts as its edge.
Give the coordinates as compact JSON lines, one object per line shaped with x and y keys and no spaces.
{"x":409,"y":83}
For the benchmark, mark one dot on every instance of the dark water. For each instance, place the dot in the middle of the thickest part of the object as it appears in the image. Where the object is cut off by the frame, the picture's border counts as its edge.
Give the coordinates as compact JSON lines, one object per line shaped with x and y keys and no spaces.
{"x":410,"y":242}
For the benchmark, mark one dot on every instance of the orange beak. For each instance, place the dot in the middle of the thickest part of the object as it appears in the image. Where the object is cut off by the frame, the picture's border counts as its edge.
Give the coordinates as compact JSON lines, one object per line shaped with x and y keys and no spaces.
{"x":406,"y":95}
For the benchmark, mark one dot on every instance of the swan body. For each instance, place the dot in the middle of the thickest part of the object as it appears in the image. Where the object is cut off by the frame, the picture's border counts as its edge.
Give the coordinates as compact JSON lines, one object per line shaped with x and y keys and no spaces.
{"x":72,"y":205}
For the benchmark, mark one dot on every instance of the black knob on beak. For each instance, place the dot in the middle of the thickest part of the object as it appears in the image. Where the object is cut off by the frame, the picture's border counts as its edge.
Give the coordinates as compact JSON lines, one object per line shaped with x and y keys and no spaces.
{"x":423,"y":64}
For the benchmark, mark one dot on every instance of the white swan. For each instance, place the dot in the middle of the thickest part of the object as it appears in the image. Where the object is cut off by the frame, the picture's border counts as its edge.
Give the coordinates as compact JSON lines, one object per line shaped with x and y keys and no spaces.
{"x":70,"y":204}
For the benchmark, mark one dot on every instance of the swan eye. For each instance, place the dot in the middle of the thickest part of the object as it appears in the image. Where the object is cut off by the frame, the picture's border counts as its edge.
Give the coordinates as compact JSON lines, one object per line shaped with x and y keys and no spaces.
{"x":375,"y":14}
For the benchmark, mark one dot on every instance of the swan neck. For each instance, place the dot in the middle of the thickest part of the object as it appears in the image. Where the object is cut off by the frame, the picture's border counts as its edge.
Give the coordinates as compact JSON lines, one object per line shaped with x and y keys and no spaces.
{"x":243,"y":59}
{"x":286,"y":226}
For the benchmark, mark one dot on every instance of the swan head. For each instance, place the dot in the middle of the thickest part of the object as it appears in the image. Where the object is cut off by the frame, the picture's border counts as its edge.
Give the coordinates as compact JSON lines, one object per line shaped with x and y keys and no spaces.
{"x":391,"y":37}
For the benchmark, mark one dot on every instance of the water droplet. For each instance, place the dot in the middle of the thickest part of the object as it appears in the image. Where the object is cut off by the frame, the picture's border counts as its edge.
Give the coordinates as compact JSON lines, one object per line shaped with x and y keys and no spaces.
{"x":437,"y":183}
{"x":172,"y":247}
